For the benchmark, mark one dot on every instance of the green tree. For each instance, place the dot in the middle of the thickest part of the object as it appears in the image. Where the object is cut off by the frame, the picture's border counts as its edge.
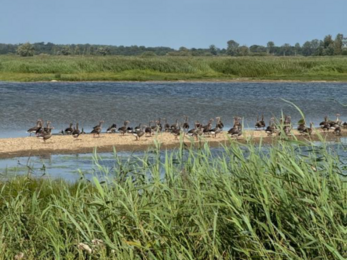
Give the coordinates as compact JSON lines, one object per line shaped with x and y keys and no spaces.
{"x":213,"y":49}
{"x":286,"y":48}
{"x":297,"y":48}
{"x":232,"y":48}
{"x":328,"y":40}
{"x":270,"y":47}
{"x":307,"y":49}
{"x":66,"y":50}
{"x":338,"y":44}
{"x":243,"y":51}
{"x":26,"y":50}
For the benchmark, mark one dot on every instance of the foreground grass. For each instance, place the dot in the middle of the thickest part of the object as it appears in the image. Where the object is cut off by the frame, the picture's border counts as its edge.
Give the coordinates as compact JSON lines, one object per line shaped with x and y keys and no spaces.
{"x":79,"y":68}
{"x":244,"y":204}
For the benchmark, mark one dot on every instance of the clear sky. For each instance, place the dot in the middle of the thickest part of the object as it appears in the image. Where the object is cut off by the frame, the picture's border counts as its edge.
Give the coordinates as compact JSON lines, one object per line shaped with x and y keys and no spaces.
{"x":172,"y":23}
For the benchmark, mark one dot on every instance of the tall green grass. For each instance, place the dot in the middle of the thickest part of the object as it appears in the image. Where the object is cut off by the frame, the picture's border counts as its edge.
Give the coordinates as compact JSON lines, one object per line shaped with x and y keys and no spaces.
{"x":14,"y":68}
{"x":247,"y":203}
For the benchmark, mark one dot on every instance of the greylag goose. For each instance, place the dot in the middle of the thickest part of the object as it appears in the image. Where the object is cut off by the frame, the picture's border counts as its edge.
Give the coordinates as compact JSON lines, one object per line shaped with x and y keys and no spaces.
{"x":219,"y":123}
{"x":186,"y":124}
{"x":76,"y":132}
{"x":166,"y":126}
{"x":177,"y":132}
{"x":97,"y":129}
{"x":148,"y":129}
{"x":112,"y":129}
{"x":260,"y":123}
{"x":308,"y":130}
{"x":208,"y":127}
{"x":44,"y":136}
{"x":36,"y":128}
{"x":124,"y":128}
{"x":271,"y":127}
{"x":69,"y":130}
{"x":139,"y":133}
{"x":337,"y":130}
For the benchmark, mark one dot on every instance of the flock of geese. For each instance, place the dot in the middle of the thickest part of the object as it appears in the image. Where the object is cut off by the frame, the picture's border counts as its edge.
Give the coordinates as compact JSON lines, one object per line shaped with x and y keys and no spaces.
{"x":280,"y":127}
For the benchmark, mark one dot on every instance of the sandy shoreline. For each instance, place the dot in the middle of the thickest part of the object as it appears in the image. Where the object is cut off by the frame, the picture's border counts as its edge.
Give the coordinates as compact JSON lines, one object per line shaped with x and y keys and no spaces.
{"x":62,"y":144}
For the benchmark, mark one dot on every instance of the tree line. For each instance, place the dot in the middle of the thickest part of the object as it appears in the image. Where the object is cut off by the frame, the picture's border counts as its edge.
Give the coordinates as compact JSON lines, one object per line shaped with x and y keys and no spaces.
{"x":329,"y":46}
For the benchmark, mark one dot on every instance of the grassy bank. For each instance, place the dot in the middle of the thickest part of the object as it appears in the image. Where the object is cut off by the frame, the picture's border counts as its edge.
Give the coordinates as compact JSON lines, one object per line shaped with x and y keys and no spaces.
{"x":68,"y":68}
{"x":246,"y":204}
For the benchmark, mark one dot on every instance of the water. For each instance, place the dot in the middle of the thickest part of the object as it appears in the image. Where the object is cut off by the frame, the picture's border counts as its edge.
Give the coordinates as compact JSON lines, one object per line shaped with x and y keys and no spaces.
{"x":21,"y":104}
{"x":73,"y":167}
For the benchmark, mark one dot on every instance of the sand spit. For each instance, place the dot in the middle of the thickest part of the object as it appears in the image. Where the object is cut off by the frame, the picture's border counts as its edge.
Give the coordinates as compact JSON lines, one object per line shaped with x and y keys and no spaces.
{"x":63,"y":144}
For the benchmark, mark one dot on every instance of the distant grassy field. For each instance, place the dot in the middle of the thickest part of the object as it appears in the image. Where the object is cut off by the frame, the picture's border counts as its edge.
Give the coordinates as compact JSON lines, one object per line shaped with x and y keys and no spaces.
{"x":79,"y":68}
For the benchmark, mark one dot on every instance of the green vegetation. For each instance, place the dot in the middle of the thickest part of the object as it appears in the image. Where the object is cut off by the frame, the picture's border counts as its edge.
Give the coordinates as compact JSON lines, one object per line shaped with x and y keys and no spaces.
{"x":248,"y":203}
{"x":147,"y":68}
{"x":326,"y":47}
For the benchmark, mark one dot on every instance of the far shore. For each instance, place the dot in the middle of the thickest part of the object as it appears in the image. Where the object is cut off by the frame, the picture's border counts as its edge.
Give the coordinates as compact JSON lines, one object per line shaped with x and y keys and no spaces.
{"x":239,"y":80}
{"x":172,"y":69}
{"x":63,"y":144}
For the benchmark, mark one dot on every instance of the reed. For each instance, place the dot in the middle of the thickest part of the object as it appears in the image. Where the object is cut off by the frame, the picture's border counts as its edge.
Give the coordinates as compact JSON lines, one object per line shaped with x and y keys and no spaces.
{"x":248,"y":202}
{"x":114,"y":68}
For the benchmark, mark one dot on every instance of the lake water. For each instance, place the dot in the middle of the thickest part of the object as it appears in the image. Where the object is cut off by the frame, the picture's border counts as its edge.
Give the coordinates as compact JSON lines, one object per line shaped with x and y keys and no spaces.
{"x":21,"y":104}
{"x":73,"y":167}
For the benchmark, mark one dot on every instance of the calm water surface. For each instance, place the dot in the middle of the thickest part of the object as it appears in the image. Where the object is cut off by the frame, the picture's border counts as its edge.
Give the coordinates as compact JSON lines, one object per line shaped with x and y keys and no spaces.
{"x":73,"y":167}
{"x":21,"y":104}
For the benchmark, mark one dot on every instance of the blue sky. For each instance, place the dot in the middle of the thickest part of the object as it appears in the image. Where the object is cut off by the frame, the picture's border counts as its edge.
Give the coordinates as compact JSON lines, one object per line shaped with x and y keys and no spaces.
{"x":172,"y":23}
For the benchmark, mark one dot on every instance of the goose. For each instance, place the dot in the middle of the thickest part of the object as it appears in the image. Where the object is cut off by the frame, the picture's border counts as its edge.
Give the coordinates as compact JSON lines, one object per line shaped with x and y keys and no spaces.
{"x":69,"y":130}
{"x":155,"y":128}
{"x":235,"y":131}
{"x":186,"y":124}
{"x":302,"y":126}
{"x":34,"y":129}
{"x":112,"y":129}
{"x":215,"y":131}
{"x":48,"y":127}
{"x":207,"y":127}
{"x":137,"y":128}
{"x":193,"y":130}
{"x":124,"y":128}
{"x":148,"y":129}
{"x":177,"y":132}
{"x":218,"y":128}
{"x":175,"y":126}
{"x":97,"y":129}
{"x":44,"y":136}
{"x":100,"y":123}
{"x":219,"y":122}
{"x":139,"y":133}
{"x":271,"y":127}
{"x":160,"y":126}
{"x":308,"y":130}
{"x":335,"y":123}
{"x":130,"y":129}
{"x":337,"y":130}
{"x":166,"y":126}
{"x":260,"y":123}
{"x":325,"y":122}
{"x":76,"y":132}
